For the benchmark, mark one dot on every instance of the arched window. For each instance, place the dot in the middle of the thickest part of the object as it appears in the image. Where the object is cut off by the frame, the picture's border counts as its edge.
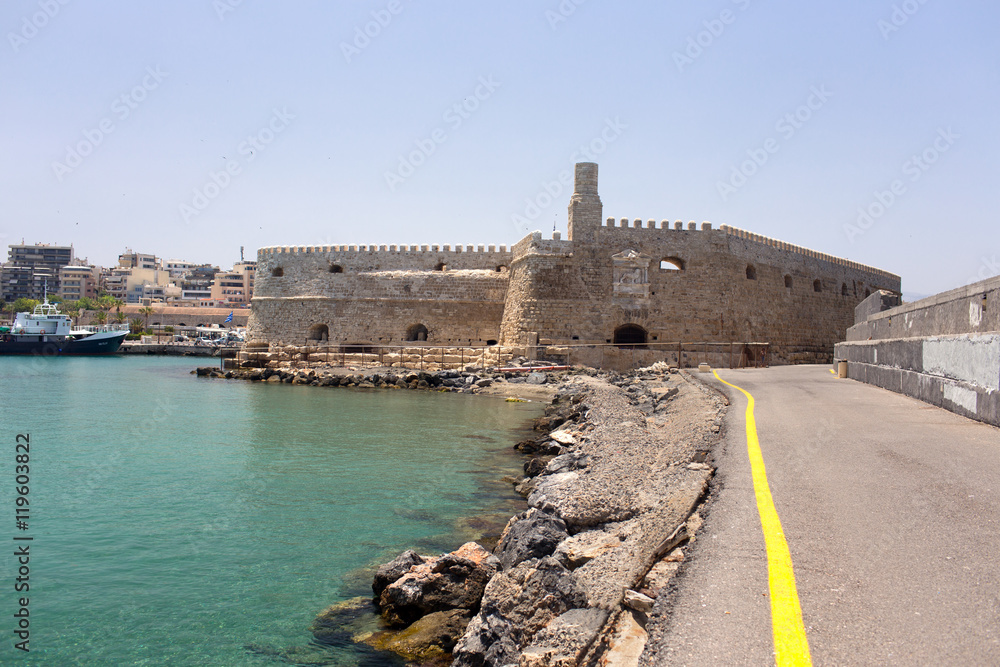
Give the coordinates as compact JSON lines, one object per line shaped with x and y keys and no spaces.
{"x":277,"y":272}
{"x":336,"y":268}
{"x":788,"y":282}
{"x":440,"y":266}
{"x":630,"y":336}
{"x":751,"y":272}
{"x":843,"y":289}
{"x":671,"y":264}
{"x":319,"y":332}
{"x":416,"y":332}
{"x":817,"y":285}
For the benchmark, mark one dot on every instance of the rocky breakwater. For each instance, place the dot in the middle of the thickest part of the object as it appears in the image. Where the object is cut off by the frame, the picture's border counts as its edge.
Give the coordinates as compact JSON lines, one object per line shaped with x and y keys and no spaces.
{"x":612,"y":483}
{"x":470,"y":380}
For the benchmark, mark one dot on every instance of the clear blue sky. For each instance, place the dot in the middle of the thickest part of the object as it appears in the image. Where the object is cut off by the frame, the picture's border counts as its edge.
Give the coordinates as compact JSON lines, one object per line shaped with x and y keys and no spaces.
{"x":670,"y":98}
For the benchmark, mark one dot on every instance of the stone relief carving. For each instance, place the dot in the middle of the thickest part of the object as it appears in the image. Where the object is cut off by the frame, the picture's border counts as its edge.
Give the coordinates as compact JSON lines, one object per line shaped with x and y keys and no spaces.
{"x":631,"y":274}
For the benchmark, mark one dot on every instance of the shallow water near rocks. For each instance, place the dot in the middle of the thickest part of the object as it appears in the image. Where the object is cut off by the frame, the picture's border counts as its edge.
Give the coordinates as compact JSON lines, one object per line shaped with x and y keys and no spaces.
{"x":190,"y":521}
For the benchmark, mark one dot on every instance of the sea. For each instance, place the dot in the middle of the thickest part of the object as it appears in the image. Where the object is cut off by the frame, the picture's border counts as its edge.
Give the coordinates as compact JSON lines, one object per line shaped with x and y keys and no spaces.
{"x":177,"y":520}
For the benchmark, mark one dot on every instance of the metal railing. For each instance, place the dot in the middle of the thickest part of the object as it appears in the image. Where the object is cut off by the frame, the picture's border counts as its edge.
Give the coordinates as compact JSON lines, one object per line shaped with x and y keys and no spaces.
{"x":102,"y":328}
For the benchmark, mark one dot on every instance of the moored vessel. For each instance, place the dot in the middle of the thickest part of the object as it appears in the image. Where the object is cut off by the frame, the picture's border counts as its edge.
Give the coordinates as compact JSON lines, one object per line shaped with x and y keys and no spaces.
{"x":48,"y":332}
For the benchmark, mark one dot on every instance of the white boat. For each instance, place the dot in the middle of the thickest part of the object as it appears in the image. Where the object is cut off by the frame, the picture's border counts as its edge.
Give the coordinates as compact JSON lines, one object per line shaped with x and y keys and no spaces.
{"x":48,"y":332}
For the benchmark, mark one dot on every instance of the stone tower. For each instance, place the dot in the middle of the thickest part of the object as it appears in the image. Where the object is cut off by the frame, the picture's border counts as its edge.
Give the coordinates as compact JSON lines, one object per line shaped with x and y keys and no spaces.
{"x":585,"y":208}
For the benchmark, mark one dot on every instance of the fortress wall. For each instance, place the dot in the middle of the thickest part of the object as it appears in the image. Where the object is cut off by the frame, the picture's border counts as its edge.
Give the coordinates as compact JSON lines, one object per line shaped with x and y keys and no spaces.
{"x":730,"y":286}
{"x":307,"y":269}
{"x":385,"y":321}
{"x":376,"y":294}
{"x":549,"y":301}
{"x":573,"y":299}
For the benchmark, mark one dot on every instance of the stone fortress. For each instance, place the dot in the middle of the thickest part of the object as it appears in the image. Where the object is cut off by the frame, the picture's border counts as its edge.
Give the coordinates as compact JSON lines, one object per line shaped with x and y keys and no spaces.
{"x":609,"y":290}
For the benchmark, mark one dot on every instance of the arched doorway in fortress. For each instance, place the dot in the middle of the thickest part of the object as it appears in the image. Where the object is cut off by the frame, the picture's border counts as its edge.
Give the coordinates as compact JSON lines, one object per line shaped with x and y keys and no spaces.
{"x":319,"y":332}
{"x":416,"y":332}
{"x":631,"y":336}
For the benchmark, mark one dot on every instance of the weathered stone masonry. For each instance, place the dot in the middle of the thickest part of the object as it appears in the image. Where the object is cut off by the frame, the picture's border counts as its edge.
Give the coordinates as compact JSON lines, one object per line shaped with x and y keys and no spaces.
{"x":608,"y":282}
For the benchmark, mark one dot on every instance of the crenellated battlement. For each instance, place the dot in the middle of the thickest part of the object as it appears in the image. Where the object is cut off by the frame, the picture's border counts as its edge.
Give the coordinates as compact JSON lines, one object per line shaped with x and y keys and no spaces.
{"x":637,"y":223}
{"x":691,"y":226}
{"x":389,"y":249}
{"x":806,"y":252}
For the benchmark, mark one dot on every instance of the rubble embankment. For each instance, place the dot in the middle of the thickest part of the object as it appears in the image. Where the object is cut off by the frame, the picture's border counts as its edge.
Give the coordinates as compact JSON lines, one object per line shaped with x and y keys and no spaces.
{"x":524,"y":383}
{"x":612,"y":480}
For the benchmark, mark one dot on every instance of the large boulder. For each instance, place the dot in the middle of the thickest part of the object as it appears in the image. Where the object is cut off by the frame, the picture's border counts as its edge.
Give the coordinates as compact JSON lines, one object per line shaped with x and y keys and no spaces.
{"x":516,"y":604}
{"x":429,"y":638}
{"x":395,"y":569}
{"x":530,"y":534}
{"x":455,"y":580}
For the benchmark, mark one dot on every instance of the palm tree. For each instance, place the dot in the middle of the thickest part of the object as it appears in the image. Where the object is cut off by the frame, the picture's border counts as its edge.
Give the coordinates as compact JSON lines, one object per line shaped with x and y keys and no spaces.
{"x":121,"y":317}
{"x":73,"y":312}
{"x":101,"y":317}
{"x":117,"y":303}
{"x":146,"y":311}
{"x":135,"y":325}
{"x":105,"y":303}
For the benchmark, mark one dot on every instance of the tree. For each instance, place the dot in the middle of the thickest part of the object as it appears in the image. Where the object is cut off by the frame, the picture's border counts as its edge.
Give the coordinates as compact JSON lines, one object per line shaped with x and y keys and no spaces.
{"x":135,"y":325}
{"x":146,"y":311}
{"x":72,"y":311}
{"x":100,"y":317}
{"x":23,"y":305}
{"x":86,"y":303}
{"x":117,"y":303}
{"x":106,"y":303}
{"x":121,"y":317}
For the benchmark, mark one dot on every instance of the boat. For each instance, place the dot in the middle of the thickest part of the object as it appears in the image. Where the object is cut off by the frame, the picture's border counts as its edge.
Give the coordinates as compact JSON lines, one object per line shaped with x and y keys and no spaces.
{"x":48,"y":332}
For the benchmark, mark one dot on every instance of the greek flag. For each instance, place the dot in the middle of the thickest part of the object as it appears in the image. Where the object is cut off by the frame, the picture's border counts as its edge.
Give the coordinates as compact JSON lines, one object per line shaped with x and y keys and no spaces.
{"x":229,"y":317}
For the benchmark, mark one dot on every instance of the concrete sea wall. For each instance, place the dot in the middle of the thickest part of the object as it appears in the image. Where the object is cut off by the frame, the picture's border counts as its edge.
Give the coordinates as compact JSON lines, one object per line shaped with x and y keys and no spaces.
{"x":944,"y":350}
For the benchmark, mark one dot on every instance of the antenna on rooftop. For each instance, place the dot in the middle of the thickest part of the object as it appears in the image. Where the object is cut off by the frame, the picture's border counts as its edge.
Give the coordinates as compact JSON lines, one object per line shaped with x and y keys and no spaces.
{"x":241,"y":253}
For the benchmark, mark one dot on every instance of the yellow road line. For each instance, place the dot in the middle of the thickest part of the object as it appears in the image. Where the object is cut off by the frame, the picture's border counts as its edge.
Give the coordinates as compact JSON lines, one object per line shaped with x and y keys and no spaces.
{"x":791,"y":647}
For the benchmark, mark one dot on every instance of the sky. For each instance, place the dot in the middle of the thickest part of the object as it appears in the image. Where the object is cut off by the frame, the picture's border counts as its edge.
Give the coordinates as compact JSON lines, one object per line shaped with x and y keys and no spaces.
{"x":866,"y":129}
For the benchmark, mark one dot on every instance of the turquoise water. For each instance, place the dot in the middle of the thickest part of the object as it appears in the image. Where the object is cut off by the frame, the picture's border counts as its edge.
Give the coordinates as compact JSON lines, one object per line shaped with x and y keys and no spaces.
{"x":180,"y":520}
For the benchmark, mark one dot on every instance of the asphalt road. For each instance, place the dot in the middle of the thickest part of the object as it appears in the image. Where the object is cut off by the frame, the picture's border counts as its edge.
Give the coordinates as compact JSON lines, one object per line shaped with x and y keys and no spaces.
{"x":891,"y":510}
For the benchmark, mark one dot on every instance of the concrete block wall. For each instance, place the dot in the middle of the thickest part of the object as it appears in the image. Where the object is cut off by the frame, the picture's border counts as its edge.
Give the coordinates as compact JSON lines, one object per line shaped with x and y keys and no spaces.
{"x":974,"y":308}
{"x":944,"y":350}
